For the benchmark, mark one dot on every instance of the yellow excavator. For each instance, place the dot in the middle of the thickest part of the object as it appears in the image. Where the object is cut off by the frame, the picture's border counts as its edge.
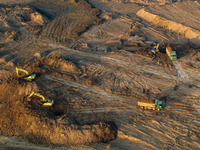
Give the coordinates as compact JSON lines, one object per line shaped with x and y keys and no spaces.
{"x":156,"y":48}
{"x":45,"y":102}
{"x":28,"y":76}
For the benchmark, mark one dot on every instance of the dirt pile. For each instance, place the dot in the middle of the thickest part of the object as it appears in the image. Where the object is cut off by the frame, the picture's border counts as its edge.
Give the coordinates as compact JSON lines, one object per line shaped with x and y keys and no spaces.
{"x":189,"y":10}
{"x":161,"y":58}
{"x":40,"y":125}
{"x":58,"y":20}
{"x":69,"y":25}
{"x":96,"y":85}
{"x":56,"y":134}
{"x":192,"y":34}
{"x":17,"y":20}
{"x":15,"y":116}
{"x":56,"y":61}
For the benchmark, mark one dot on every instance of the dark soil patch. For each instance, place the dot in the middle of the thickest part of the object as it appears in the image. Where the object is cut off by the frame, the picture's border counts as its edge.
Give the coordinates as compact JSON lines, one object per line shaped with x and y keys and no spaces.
{"x":160,"y":58}
{"x":183,"y":50}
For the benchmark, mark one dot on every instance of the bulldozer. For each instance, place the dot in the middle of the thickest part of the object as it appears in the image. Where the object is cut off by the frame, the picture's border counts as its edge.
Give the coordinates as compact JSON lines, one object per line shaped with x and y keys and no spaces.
{"x":45,"y":102}
{"x":156,"y":48}
{"x":28,"y":76}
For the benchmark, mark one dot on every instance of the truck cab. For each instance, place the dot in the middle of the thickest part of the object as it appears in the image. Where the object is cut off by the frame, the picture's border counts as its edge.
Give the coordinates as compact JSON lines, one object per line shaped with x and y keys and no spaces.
{"x":173,"y":55}
{"x":159,"y":104}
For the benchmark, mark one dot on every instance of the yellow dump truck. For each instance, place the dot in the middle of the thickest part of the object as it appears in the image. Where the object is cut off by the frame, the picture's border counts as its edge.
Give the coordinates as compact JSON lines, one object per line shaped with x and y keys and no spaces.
{"x":150,"y":104}
{"x":172,"y":54}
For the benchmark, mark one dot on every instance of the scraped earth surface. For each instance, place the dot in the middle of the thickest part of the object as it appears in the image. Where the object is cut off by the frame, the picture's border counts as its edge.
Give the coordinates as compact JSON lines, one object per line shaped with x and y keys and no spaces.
{"x":94,"y":59}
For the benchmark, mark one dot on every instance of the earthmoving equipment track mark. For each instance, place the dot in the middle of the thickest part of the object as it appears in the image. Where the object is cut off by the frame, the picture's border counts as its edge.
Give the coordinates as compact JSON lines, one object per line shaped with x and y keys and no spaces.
{"x":181,"y":73}
{"x":112,"y":60}
{"x":103,"y":93}
{"x":99,"y":110}
{"x":126,"y":64}
{"x":183,"y":117}
{"x":89,"y":89}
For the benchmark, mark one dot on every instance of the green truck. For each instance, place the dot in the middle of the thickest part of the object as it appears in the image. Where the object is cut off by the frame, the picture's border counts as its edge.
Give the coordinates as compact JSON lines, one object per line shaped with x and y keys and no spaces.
{"x":150,"y":104}
{"x":172,"y":54}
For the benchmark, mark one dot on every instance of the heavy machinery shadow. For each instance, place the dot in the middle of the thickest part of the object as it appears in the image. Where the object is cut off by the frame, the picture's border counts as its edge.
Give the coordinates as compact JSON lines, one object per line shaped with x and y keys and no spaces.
{"x":183,"y":50}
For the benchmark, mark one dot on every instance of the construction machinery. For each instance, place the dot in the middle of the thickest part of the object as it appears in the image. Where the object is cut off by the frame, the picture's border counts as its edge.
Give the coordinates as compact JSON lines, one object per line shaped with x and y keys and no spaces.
{"x":28,"y":76}
{"x":45,"y":102}
{"x":172,"y":54}
{"x":156,"y":48}
{"x":150,"y":104}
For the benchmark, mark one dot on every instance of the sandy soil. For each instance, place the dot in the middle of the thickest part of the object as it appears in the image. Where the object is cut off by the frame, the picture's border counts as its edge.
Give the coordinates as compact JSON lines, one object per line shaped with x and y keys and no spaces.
{"x":94,"y":60}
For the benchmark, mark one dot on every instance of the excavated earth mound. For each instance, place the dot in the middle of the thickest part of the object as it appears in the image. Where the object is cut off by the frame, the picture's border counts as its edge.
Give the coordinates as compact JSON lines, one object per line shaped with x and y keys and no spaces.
{"x":192,"y":34}
{"x":17,"y":20}
{"x":161,"y":58}
{"x":21,"y":116}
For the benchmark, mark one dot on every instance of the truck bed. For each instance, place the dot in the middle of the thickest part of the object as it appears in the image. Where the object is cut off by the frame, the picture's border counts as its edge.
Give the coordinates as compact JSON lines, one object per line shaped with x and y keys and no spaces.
{"x":146,"y":101}
{"x":168,"y":50}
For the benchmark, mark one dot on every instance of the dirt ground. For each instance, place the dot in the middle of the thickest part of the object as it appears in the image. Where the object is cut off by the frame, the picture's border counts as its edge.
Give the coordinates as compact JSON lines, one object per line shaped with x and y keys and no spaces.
{"x":94,"y":59}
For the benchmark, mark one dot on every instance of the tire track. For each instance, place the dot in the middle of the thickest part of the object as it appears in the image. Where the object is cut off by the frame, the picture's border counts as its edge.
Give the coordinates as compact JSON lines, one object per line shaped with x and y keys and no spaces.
{"x":100,"y":110}
{"x":119,"y":63}
{"x":92,"y":90}
{"x":182,"y":75}
{"x":127,"y":65}
{"x":115,"y":61}
{"x":133,"y":103}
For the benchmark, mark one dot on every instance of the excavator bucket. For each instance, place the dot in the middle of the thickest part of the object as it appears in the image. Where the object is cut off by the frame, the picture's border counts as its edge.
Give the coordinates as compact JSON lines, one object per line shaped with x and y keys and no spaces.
{"x":45,"y":102}
{"x":48,"y":103}
{"x":28,"y":76}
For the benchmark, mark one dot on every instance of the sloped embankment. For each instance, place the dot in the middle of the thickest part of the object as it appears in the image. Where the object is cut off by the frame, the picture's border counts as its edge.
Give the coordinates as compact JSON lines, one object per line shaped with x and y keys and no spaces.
{"x":190,"y":33}
{"x":20,"y":118}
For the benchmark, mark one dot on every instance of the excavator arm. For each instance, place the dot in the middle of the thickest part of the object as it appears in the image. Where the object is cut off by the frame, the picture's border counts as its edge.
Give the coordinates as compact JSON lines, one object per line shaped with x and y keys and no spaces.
{"x":45,"y":102}
{"x":36,"y":94}
{"x":28,"y":76}
{"x":156,"y":48}
{"x":19,"y":69}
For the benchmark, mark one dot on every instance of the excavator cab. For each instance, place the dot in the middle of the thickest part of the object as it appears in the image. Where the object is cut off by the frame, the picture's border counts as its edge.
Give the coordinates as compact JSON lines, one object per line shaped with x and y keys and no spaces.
{"x":156,"y":48}
{"x":28,"y":76}
{"x":49,"y":102}
{"x":45,"y":102}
